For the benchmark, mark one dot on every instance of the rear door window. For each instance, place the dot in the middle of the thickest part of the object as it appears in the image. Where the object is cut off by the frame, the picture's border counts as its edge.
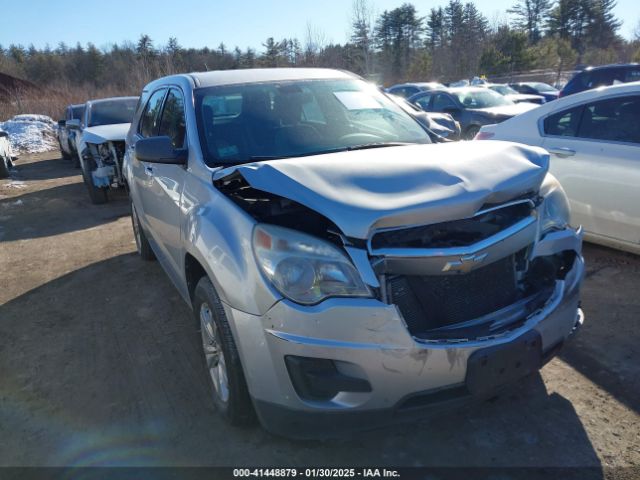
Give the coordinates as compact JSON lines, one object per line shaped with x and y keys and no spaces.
{"x":173,"y":123}
{"x":150,"y":117}
{"x":563,"y":123}
{"x":632,"y":75}
{"x":614,"y":119}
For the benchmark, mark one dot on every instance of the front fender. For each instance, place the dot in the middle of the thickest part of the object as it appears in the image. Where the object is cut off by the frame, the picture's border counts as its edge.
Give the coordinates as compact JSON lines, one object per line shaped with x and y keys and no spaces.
{"x":218,"y":234}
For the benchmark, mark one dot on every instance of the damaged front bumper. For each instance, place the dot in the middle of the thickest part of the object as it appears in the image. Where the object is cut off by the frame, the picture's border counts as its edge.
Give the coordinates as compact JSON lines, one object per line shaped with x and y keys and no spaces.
{"x":107,"y":159}
{"x":352,"y":363}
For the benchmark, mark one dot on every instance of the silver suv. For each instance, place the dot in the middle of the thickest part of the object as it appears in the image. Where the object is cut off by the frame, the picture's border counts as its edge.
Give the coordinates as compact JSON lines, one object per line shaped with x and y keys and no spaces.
{"x":345,"y":273}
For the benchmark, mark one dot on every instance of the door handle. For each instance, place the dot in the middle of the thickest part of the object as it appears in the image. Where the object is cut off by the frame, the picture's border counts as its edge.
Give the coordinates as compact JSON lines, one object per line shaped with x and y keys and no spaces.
{"x":562,"y":151}
{"x":148,"y":170}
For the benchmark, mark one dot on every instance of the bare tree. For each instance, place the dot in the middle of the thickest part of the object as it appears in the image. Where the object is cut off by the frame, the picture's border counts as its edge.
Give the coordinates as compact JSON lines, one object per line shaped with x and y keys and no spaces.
{"x":362,"y":21}
{"x":315,"y":40}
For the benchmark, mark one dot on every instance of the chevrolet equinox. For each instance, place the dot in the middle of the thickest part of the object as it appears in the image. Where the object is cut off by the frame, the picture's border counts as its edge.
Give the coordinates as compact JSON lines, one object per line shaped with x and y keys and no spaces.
{"x":343,"y":271}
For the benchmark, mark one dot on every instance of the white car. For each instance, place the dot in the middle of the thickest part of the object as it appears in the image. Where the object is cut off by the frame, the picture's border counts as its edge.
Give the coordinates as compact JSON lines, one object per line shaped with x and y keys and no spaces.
{"x":594,"y":141}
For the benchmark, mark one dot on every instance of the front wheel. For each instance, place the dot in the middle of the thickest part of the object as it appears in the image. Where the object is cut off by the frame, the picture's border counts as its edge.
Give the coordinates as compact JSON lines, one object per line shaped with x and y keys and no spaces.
{"x":228,"y":386}
{"x":471,"y":132}
{"x":97,"y":195}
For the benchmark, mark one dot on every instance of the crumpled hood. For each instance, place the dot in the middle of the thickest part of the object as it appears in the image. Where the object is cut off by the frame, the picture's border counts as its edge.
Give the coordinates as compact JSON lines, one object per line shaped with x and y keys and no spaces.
{"x":105,"y":133}
{"x":369,"y":189}
{"x":509,"y":110}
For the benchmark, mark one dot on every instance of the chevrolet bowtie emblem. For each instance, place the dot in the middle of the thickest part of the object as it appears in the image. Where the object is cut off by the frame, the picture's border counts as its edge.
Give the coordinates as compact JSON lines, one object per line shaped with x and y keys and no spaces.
{"x":465,"y":264}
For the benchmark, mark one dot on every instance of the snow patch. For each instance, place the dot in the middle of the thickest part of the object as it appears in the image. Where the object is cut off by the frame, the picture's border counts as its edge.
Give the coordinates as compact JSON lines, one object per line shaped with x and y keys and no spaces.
{"x":31,"y":133}
{"x":15,"y":184}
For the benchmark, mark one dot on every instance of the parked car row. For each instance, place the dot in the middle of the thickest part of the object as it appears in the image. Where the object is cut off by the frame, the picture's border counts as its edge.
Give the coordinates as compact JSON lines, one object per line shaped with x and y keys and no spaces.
{"x":93,"y":136}
{"x":585,"y":79}
{"x":472,"y":107}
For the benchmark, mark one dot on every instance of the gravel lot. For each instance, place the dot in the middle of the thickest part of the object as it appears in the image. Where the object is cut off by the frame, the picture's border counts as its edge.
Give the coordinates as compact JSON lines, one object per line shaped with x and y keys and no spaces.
{"x":99,"y":361}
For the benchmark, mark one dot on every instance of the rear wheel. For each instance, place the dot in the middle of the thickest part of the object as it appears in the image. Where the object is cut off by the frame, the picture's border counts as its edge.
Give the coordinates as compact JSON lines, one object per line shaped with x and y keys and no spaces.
{"x":98,"y":195}
{"x":228,"y":386}
{"x":142,"y":244}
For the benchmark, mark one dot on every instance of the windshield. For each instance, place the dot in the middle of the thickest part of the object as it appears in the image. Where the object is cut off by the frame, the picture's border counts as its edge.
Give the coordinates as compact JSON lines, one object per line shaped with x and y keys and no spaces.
{"x":481,"y":98}
{"x":251,"y":122}
{"x":77,"y":112}
{"x":543,"y":87}
{"x":503,"y":89}
{"x":112,"y":111}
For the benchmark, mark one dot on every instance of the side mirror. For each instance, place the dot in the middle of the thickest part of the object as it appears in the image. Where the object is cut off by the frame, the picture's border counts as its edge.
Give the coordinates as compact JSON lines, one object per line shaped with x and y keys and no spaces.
{"x":62,"y":123}
{"x":3,"y":133}
{"x":160,"y":150}
{"x":73,"y":124}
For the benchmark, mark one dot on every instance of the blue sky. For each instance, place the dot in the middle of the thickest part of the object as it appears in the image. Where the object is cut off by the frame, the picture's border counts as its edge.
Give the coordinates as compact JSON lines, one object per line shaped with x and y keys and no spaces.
{"x":198,"y":23}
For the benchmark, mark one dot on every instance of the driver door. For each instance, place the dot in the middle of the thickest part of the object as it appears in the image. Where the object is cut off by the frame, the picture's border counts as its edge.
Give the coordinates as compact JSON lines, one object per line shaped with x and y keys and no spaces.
{"x":162,"y":184}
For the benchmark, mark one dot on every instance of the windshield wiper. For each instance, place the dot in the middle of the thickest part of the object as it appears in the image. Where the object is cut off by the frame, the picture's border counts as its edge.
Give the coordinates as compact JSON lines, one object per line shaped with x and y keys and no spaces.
{"x":364,"y":146}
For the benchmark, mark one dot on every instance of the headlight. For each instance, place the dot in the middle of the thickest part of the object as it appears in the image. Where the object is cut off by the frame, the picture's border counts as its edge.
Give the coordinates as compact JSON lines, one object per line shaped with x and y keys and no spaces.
{"x":555,"y":212}
{"x":303,"y":268}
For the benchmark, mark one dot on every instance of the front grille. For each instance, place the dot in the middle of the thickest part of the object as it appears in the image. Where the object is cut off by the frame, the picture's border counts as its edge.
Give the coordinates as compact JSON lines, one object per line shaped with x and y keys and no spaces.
{"x":456,"y":233}
{"x":433,"y":301}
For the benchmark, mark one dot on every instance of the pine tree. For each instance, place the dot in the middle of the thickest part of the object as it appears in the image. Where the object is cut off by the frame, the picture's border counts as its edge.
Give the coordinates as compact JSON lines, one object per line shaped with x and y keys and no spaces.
{"x":603,"y":26}
{"x":531,"y":16}
{"x":436,"y":35}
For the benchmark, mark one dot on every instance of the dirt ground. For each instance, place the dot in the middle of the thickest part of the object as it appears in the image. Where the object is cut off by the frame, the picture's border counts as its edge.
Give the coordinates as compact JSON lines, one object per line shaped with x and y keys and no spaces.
{"x":99,"y":361}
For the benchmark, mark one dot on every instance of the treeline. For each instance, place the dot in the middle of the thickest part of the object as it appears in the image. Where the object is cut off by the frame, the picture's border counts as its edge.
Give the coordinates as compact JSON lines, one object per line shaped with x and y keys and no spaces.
{"x":450,"y":42}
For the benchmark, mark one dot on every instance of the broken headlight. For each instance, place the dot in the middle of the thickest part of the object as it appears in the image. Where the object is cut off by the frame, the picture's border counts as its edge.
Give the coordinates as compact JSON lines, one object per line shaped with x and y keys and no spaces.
{"x":104,"y":151}
{"x":554,"y":212}
{"x":303,"y":268}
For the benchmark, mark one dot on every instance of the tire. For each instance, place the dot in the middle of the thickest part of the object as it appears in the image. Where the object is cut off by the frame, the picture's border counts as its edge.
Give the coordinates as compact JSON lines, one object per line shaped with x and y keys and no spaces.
{"x":97,"y":195}
{"x":471,"y":132}
{"x":222,"y":361}
{"x":64,"y":154}
{"x":144,"y":248}
{"x":5,"y":165}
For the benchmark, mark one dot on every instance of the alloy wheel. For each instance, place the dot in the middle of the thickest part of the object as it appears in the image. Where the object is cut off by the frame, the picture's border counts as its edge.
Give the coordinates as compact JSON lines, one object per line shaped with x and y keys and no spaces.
{"x":213,"y":353}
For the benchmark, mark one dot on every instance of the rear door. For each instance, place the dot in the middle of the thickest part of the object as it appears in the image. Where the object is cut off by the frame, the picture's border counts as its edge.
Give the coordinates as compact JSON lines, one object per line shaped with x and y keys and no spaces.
{"x":596,"y":157}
